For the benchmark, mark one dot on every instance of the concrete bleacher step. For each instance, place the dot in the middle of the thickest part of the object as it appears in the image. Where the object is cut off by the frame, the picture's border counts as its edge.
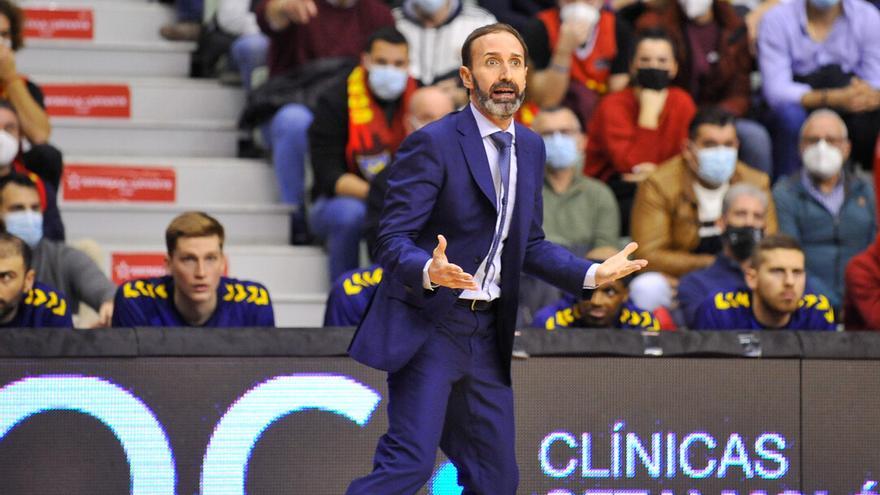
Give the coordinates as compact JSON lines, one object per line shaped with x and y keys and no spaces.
{"x":126,"y":222}
{"x":196,"y":181}
{"x":299,"y":311}
{"x":111,"y":20}
{"x":140,"y":98}
{"x":97,"y":136}
{"x":99,"y":58}
{"x":293,"y":270}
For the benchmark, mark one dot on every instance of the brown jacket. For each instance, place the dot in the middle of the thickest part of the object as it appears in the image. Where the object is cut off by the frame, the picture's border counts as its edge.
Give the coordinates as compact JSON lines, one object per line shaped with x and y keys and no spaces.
{"x":665,"y":221}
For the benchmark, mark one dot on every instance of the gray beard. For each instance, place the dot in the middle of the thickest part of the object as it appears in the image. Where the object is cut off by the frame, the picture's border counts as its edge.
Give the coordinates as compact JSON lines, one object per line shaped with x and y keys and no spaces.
{"x":501,"y":110}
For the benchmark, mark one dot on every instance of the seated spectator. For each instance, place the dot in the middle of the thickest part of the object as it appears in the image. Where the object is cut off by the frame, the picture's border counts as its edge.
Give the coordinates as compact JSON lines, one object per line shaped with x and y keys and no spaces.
{"x":425,"y":106}
{"x":714,"y":65}
{"x":359,"y":123}
{"x":189,"y":21}
{"x":775,"y":299}
{"x":55,"y":263}
{"x":434,"y":30}
{"x":517,"y":13}
{"x":742,"y":221}
{"x":676,"y":210}
{"x":580,"y":212}
{"x":195,"y":293}
{"x":250,"y":48}
{"x":351,"y":292}
{"x":25,"y":303}
{"x":861,"y":309}
{"x":11,"y":161}
{"x":815,"y":54}
{"x":608,"y":307}
{"x":27,"y":100}
{"x":826,"y":206}
{"x":634,"y":130}
{"x":579,"y":51}
{"x":350,"y":296}
{"x":301,"y":34}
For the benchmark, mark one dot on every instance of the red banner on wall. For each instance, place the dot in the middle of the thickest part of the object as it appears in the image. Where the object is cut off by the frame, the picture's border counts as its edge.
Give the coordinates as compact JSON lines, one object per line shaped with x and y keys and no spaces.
{"x":59,"y":23}
{"x":106,"y":183}
{"x":87,"y":100}
{"x":125,"y":266}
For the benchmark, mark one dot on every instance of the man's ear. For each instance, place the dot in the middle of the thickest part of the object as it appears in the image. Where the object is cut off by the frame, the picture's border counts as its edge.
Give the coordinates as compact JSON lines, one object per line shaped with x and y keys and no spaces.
{"x":29,"y":278}
{"x":466,"y":77}
{"x":751,"y":278}
{"x":168,"y":264}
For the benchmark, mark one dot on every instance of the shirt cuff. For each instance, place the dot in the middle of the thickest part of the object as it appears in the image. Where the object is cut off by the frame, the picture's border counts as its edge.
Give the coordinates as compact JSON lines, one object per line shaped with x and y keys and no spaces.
{"x":589,"y":278}
{"x":426,"y":279}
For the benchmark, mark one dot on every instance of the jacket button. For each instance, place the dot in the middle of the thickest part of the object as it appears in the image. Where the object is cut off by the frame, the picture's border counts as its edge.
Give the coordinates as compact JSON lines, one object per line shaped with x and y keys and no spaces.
{"x":477,"y":259}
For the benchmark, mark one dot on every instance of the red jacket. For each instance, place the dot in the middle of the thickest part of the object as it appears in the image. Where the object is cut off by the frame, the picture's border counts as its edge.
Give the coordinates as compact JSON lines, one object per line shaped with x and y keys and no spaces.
{"x":728,"y":83}
{"x":861,"y":300}
{"x":617,"y":143}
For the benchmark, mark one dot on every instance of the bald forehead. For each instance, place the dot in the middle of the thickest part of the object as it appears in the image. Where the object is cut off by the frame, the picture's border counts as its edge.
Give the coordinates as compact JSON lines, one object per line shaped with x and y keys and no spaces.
{"x":556,"y":119}
{"x":825,"y":124}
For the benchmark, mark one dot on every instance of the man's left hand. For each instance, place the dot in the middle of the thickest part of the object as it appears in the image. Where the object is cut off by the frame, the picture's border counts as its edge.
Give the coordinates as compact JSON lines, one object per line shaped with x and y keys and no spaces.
{"x":619,"y":265}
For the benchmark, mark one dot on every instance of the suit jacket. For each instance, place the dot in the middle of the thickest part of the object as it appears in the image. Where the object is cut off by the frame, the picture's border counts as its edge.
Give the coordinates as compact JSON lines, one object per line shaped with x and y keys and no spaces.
{"x":440,"y":183}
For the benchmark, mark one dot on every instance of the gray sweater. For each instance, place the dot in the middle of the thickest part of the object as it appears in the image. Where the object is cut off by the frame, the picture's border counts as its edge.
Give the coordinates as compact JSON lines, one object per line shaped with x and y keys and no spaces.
{"x":72,"y":272}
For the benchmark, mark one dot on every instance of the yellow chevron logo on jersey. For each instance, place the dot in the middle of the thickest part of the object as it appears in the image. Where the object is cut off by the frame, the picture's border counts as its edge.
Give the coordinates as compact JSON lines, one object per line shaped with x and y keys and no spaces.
{"x":38,"y":297}
{"x":819,"y":303}
{"x":141,"y":288}
{"x":642,"y":319}
{"x":354,"y":284}
{"x":728,"y":300}
{"x":247,"y":293}
{"x":563,"y":318}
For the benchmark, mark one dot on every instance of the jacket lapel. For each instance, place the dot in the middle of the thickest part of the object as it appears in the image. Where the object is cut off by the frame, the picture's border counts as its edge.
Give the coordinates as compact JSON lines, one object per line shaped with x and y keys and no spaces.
{"x":475,"y":154}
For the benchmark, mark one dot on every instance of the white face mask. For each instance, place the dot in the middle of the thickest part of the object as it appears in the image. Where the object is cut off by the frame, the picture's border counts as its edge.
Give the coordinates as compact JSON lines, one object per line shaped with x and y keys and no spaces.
{"x":8,"y":148}
{"x":580,"y":11}
{"x":695,"y":8}
{"x":822,"y":160}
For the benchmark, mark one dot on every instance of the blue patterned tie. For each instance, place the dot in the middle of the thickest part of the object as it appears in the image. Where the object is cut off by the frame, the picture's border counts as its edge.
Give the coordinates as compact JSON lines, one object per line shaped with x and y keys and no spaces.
{"x":502,"y":141}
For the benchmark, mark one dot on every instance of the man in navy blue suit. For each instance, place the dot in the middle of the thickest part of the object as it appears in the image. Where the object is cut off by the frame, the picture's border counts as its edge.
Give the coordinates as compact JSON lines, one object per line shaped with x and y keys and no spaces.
{"x":461,"y":221}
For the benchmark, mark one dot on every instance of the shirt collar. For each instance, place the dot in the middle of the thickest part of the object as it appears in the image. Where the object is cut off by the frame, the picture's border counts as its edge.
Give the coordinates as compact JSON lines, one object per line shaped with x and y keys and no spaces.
{"x":802,"y":14}
{"x":807,"y":182}
{"x":487,"y":128}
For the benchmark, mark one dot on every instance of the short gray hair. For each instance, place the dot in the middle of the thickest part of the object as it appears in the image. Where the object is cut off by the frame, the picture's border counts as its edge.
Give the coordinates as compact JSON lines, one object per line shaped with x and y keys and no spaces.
{"x":824,"y":112}
{"x":743,"y":189}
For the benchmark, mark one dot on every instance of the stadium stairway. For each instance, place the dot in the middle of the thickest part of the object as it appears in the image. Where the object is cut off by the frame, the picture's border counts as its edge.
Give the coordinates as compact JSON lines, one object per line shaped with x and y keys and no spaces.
{"x":143,"y":142}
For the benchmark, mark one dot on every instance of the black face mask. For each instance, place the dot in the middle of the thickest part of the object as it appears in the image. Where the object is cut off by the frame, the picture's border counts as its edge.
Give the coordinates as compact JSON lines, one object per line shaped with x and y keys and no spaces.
{"x":742,"y":240}
{"x":652,"y":78}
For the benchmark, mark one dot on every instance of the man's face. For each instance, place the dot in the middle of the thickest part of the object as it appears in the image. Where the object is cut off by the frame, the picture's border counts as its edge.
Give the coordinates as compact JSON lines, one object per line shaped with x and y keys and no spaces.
{"x":14,"y":284}
{"x":9,"y":122}
{"x":655,"y":54}
{"x":779,"y":280}
{"x":15,"y":197}
{"x":5,"y":31}
{"x":497,"y":80}
{"x":602,"y":308}
{"x":744,"y":211}
{"x":196,"y":265}
{"x":562,"y":121}
{"x":828,"y":128}
{"x":427,"y":105}
{"x":709,"y":136}
{"x":385,"y":53}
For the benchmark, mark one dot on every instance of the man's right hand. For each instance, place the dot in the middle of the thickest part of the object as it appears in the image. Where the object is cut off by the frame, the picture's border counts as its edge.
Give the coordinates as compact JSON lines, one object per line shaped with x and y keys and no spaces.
{"x":443,"y":273}
{"x":296,"y":11}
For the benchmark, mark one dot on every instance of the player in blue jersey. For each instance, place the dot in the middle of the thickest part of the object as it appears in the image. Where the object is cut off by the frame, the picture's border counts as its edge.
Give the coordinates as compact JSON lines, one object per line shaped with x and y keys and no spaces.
{"x":608,"y":307}
{"x":775,"y":300}
{"x":350,"y":296}
{"x":25,"y":303}
{"x":195,"y":293}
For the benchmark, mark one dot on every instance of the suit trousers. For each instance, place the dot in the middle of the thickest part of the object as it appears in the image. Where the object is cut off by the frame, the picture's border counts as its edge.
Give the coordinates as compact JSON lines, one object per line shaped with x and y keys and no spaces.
{"x":452,"y":394}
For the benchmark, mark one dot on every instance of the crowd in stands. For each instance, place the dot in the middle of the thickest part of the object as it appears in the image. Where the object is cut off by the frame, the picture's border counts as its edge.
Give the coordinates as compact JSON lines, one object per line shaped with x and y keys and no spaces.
{"x":734,"y":141}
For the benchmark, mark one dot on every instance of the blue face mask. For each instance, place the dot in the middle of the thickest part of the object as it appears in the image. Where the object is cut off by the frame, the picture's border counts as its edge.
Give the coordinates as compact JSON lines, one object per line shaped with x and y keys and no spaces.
{"x":824,"y":4}
{"x":26,"y":225}
{"x":562,"y":151}
{"x":428,"y":7}
{"x":716,"y":165}
{"x":387,"y":82}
